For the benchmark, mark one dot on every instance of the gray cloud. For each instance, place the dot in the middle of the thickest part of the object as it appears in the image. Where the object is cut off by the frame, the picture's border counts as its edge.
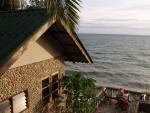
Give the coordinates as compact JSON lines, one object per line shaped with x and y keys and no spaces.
{"x":116,"y":16}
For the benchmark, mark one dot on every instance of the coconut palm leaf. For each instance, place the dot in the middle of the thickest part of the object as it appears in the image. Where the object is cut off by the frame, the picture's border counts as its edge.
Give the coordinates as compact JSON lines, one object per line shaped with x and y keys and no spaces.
{"x":67,"y":10}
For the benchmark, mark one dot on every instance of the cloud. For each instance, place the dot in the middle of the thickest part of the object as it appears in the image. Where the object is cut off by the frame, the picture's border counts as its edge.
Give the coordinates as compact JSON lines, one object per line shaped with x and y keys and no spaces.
{"x":115,"y":16}
{"x":113,"y":29}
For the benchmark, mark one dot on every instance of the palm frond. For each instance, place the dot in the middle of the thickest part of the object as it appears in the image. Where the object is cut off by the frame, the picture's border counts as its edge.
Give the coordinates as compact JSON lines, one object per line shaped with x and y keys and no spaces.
{"x":67,"y":10}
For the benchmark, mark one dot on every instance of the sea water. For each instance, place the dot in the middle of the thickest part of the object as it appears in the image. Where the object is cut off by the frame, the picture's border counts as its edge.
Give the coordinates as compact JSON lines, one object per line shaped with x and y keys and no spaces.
{"x":121,"y":61}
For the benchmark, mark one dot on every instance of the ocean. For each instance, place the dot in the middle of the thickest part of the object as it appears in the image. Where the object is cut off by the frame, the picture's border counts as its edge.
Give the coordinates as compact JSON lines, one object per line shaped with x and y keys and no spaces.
{"x":121,"y":61}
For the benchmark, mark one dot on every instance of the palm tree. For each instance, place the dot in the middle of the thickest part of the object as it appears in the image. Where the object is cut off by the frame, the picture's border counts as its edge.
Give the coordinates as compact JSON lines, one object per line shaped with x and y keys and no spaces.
{"x":67,"y":10}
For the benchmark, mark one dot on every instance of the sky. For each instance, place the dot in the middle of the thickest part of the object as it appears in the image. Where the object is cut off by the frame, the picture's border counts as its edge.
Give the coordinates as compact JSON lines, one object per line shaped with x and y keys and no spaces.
{"x":115,"y":17}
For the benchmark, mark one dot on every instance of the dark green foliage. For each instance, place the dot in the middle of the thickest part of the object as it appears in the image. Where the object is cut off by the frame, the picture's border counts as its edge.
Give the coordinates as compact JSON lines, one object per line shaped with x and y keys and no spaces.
{"x":80,"y":93}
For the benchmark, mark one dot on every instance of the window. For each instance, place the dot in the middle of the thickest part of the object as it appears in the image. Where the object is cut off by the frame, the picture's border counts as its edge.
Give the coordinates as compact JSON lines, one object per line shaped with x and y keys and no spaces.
{"x":19,"y":102}
{"x":50,"y":88}
{"x":5,"y":107}
{"x":16,"y":104}
{"x":45,"y":91}
{"x":55,"y":86}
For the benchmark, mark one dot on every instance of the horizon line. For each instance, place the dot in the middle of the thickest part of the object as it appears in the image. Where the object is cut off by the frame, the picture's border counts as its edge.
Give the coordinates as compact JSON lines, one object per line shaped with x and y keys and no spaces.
{"x":116,"y":34}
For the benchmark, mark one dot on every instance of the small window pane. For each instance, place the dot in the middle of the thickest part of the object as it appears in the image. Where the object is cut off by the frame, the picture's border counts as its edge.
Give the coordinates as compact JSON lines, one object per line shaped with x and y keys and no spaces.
{"x":5,"y":107}
{"x":54,"y":78}
{"x":45,"y":82}
{"x":19,"y":102}
{"x":54,"y":86}
{"x":45,"y":92}
{"x":45,"y":100}
{"x":55,"y":95}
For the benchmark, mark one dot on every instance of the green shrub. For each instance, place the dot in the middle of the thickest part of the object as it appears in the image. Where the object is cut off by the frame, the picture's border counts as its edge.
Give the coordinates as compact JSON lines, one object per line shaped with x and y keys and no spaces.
{"x":80,"y":93}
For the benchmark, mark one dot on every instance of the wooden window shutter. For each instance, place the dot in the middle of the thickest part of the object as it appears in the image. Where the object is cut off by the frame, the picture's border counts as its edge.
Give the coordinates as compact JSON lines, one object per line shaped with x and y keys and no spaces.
{"x":5,"y":107}
{"x":19,"y":102}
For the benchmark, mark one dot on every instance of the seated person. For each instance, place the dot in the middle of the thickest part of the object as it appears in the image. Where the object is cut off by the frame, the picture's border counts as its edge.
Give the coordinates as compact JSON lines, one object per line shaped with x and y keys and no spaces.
{"x":126,"y":94}
{"x":143,"y":97}
{"x":119,"y":95}
{"x":122,"y":98}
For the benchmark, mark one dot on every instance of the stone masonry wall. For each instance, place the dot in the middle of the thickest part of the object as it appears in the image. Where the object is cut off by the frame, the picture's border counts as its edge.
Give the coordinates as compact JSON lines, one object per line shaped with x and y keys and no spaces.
{"x":29,"y":78}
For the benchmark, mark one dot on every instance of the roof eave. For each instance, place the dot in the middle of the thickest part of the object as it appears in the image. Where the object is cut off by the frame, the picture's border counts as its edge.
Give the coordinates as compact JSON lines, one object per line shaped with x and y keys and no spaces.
{"x":77,"y":41}
{"x":36,"y":35}
{"x":15,"y":55}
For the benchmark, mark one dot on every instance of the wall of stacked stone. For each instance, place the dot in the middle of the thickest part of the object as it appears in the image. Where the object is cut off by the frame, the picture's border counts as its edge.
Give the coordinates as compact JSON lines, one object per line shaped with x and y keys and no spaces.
{"x":28,"y":78}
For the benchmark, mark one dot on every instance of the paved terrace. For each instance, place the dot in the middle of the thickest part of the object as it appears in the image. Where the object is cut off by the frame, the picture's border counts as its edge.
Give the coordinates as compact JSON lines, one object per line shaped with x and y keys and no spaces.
{"x":112,"y":107}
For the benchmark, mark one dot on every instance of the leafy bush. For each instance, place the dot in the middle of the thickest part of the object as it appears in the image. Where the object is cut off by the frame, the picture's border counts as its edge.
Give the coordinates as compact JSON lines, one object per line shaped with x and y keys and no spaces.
{"x":80,"y":93}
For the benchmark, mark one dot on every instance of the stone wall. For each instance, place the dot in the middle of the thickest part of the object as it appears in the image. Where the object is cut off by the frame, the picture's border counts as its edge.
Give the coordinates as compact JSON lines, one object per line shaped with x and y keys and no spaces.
{"x":29,"y":78}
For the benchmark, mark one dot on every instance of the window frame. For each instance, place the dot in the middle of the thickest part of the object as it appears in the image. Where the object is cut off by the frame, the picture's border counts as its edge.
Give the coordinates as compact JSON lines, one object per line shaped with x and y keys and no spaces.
{"x":53,"y":83}
{"x":26,"y":98}
{"x":10,"y":104}
{"x":43,"y":88}
{"x":10,"y":99}
{"x":50,"y":87}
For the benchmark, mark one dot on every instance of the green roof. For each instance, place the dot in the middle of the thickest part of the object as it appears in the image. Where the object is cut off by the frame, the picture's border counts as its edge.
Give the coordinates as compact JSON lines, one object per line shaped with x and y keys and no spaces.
{"x":16,"y":27}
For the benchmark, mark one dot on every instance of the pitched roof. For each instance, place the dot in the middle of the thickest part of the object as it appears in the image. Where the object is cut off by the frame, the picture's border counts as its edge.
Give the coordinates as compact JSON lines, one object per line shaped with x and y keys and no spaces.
{"x":18,"y":27}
